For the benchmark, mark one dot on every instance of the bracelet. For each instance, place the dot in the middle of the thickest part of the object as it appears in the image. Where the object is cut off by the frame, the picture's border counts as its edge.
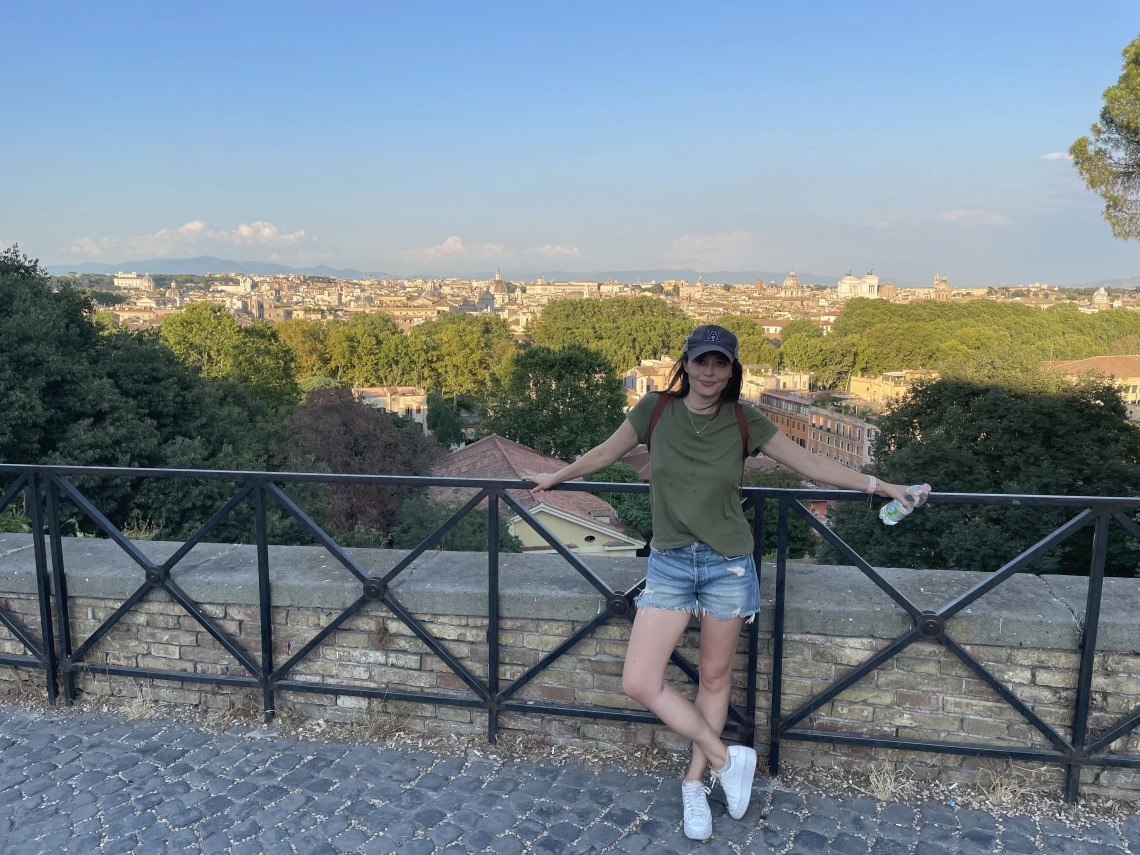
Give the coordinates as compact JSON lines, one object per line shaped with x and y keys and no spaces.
{"x":872,"y":485}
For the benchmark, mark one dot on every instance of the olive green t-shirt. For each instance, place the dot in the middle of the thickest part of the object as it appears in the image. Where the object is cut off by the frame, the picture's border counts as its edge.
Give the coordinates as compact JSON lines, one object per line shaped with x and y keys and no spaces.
{"x":695,"y":478}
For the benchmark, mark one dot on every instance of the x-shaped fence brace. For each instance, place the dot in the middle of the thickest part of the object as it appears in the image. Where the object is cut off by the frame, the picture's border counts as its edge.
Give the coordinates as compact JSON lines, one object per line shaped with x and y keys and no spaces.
{"x":488,"y":695}
{"x":931,"y":625}
{"x":45,"y":483}
{"x":42,"y":654}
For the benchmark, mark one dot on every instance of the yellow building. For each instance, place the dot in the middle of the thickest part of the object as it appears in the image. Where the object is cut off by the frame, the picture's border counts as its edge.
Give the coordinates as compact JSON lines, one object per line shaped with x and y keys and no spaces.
{"x":407,"y":401}
{"x":889,"y":386}
{"x":1124,"y":371}
{"x":585,"y":523}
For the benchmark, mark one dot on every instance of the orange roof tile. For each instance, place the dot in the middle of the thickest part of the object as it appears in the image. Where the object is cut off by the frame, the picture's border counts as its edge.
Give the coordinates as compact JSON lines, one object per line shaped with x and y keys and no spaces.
{"x":1112,"y":366}
{"x":495,"y":456}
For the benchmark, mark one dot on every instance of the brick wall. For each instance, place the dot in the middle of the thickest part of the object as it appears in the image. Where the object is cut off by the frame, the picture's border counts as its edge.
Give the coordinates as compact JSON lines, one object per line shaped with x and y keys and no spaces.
{"x":925,"y":693}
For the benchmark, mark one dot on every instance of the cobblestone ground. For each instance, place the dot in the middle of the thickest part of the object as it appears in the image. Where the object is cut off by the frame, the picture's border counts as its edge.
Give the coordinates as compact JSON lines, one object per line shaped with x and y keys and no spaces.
{"x":94,"y":784}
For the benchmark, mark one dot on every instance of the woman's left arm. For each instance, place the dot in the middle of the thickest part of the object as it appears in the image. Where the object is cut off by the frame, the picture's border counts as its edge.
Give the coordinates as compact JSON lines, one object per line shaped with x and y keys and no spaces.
{"x":783,"y":449}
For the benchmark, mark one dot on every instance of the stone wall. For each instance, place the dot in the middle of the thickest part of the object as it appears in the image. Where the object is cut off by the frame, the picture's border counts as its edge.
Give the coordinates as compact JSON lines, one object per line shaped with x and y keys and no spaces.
{"x":1025,"y":632}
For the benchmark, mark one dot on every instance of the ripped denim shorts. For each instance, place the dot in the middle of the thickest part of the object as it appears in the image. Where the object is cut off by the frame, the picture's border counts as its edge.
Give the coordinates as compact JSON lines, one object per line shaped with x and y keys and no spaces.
{"x":696,"y":579}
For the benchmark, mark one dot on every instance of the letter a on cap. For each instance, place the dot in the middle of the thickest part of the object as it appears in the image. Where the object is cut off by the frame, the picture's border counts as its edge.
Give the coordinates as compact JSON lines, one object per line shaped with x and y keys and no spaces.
{"x":712,"y":335}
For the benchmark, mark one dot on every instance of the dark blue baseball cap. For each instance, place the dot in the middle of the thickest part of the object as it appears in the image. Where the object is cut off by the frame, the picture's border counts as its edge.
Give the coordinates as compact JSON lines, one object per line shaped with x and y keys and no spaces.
{"x":710,"y":337}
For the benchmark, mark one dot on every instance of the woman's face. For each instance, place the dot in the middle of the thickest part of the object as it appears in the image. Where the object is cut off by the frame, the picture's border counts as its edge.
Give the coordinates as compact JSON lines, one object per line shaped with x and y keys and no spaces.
{"x":709,"y":373}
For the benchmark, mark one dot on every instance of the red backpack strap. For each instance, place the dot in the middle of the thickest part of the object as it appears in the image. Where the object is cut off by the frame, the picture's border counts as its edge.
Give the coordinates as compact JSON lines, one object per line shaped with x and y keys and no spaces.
{"x":662,"y":402}
{"x":742,"y":422}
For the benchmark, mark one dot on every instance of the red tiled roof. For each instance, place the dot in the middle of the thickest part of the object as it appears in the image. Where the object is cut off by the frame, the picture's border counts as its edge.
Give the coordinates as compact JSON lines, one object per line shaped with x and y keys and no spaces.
{"x":1112,"y":366}
{"x":497,"y":457}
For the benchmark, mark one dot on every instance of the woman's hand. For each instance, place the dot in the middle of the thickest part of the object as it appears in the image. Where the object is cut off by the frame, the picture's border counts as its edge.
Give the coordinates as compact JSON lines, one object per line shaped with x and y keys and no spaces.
{"x":545,"y":482}
{"x":895,"y":491}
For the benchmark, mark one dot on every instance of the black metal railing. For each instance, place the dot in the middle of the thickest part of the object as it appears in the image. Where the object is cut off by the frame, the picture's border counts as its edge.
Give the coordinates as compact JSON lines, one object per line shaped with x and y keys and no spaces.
{"x":48,"y":487}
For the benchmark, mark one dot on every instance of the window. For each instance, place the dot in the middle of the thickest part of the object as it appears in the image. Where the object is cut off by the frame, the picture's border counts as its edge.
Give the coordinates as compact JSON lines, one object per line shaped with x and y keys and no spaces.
{"x":590,"y":538}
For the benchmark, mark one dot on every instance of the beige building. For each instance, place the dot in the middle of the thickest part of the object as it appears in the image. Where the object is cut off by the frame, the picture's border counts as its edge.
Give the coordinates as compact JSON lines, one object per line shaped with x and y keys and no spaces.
{"x":133,"y":281}
{"x":407,"y":401}
{"x":582,"y":521}
{"x":652,"y":375}
{"x":851,"y":287}
{"x":1123,"y":370}
{"x":887,"y":387}
{"x":762,"y":378}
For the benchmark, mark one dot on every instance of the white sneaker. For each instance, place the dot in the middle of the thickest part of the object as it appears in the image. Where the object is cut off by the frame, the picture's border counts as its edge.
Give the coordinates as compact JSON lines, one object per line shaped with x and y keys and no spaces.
{"x":736,"y":779}
{"x":698,"y":817}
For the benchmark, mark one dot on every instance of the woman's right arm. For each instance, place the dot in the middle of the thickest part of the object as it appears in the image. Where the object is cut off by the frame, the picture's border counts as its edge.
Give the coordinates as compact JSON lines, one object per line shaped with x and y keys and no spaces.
{"x":621,"y":442}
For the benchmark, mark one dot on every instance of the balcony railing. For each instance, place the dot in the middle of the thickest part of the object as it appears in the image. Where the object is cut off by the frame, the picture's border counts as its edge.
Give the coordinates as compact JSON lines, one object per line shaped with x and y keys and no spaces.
{"x":49,"y":487}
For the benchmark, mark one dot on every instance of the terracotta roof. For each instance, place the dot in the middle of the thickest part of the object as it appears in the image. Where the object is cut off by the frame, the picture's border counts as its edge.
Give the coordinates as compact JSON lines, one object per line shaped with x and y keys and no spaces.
{"x":1112,"y":366}
{"x":497,"y":457}
{"x":638,"y":458}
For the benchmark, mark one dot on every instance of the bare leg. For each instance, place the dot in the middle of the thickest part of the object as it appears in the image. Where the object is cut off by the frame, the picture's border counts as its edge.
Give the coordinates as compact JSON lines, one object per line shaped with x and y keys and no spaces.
{"x":655,"y":635}
{"x":719,"y":639}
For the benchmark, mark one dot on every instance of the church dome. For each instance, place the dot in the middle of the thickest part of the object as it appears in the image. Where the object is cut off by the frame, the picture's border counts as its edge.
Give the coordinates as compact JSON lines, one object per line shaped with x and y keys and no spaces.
{"x":792,"y":281}
{"x":1101,"y":296}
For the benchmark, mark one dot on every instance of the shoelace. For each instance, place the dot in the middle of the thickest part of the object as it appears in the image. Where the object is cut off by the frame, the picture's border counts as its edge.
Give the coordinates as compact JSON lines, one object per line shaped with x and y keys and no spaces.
{"x":695,"y":798}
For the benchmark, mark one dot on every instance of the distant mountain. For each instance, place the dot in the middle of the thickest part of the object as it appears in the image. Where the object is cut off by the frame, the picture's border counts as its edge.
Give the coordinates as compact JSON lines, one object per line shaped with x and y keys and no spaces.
{"x":204,"y":264}
{"x":709,"y":276}
{"x":1129,"y":282}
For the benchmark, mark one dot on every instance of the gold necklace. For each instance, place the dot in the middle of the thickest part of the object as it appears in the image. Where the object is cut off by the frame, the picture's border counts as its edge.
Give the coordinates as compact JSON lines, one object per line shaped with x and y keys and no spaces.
{"x":694,"y":424}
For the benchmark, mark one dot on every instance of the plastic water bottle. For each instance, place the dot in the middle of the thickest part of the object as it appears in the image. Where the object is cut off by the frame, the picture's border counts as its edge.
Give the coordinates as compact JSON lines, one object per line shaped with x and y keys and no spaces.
{"x":894,"y":510}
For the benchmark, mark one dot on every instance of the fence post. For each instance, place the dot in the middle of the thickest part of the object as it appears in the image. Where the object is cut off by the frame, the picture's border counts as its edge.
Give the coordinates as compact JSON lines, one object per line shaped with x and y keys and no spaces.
{"x":62,"y":598}
{"x":754,"y":626}
{"x":493,"y":616}
{"x":1088,"y":657}
{"x":264,"y":603}
{"x":35,"y":509}
{"x":778,"y":642}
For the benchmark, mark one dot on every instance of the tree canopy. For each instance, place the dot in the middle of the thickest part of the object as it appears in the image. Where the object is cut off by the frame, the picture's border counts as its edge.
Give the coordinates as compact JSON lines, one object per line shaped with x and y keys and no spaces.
{"x":1109,"y":161}
{"x":208,"y":337}
{"x":625,"y":330}
{"x":999,"y":429}
{"x":559,"y":402}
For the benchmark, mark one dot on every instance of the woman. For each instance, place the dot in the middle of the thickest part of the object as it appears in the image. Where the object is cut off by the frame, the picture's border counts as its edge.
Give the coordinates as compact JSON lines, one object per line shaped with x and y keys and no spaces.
{"x":701,"y":558}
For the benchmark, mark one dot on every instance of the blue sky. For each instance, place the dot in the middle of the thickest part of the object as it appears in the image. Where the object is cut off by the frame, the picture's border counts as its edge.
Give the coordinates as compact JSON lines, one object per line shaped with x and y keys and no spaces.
{"x":457,"y":137}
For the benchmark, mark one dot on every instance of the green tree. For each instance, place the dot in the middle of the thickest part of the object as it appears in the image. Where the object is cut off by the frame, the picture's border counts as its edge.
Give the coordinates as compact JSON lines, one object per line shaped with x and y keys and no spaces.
{"x":367,"y":350}
{"x":633,"y":509}
{"x":457,"y":353}
{"x":72,"y":392}
{"x":208,"y":338}
{"x":443,"y":420}
{"x":420,"y":516}
{"x":309,"y":342}
{"x":625,"y":330}
{"x":999,"y":428}
{"x":558,"y":402}
{"x":1109,"y":162}
{"x":801,"y":353}
{"x":755,"y":348}
{"x":800,"y":327}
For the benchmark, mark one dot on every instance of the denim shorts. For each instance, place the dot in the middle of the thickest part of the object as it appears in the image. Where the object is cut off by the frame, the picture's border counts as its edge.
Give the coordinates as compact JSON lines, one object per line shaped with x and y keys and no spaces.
{"x":696,"y":579}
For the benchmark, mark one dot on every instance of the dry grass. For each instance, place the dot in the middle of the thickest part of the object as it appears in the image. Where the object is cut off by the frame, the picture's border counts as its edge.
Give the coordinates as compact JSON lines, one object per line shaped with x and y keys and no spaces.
{"x":288,"y":718}
{"x":141,"y":529}
{"x":245,"y":709}
{"x":883,"y":782}
{"x":141,"y":706}
{"x":1005,"y":785}
{"x":380,"y":722}
{"x":25,"y":689}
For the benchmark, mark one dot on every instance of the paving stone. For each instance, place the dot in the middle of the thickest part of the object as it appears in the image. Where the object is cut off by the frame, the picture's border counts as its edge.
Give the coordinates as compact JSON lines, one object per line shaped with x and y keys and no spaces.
{"x":1011,"y":841}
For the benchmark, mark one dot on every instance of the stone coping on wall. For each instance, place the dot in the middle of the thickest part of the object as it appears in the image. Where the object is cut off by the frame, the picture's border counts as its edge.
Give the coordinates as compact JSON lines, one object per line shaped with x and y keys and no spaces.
{"x":1024,"y":611}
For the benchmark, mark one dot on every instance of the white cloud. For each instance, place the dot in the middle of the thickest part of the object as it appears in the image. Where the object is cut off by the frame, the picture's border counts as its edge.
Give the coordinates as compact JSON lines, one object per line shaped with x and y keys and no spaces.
{"x":1056,"y":155}
{"x":455,"y":250}
{"x":973,"y":217}
{"x":190,"y":235}
{"x":556,"y":251}
{"x":720,"y":247}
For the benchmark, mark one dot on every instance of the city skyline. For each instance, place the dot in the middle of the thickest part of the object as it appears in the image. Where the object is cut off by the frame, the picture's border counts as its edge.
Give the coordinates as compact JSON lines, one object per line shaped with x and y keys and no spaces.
{"x":441,"y":143}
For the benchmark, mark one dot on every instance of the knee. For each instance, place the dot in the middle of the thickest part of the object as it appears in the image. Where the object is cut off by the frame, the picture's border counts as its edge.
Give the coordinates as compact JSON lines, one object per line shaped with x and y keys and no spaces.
{"x":639,"y":686}
{"x":716,"y":680}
